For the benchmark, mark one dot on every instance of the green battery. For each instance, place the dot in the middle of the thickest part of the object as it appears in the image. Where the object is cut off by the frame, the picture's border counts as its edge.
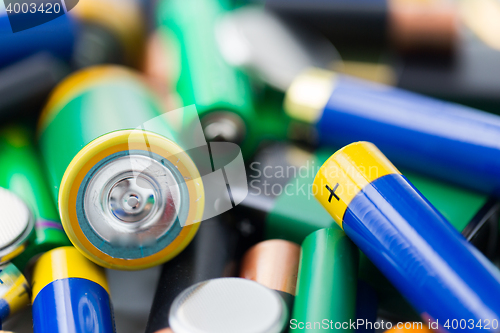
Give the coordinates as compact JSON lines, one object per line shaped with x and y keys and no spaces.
{"x":129,"y":195}
{"x":21,"y":173}
{"x":326,"y":285}
{"x":222,"y":93}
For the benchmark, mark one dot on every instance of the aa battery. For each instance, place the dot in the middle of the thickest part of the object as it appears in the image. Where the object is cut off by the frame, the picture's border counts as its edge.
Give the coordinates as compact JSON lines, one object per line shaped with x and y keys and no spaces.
{"x":444,"y":140}
{"x":212,"y":254}
{"x":70,"y":294}
{"x":216,"y":306}
{"x":374,"y":23}
{"x":14,"y":291}
{"x":220,"y":92}
{"x":21,"y":173}
{"x":326,"y":286}
{"x":108,"y":39}
{"x":399,"y":230}
{"x":273,"y":263}
{"x":102,"y":130}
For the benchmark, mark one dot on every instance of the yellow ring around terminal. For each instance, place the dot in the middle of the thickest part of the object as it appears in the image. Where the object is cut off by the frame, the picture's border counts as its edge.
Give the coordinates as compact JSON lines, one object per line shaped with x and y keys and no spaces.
{"x":77,"y":83}
{"x":62,"y":263}
{"x":107,"y":145}
{"x":347,"y":172}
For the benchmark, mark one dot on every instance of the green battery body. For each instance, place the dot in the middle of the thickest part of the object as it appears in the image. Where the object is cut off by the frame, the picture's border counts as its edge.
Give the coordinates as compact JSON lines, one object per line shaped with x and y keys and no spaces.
{"x":326,"y":285}
{"x":21,"y":172}
{"x":221,"y":93}
{"x":125,"y":187}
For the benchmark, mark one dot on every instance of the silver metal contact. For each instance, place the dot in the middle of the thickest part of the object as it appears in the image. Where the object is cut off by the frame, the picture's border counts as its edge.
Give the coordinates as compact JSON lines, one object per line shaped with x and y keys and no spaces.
{"x":16,"y":222}
{"x":228,"y":305}
{"x":132,"y":201}
{"x":223,"y":126}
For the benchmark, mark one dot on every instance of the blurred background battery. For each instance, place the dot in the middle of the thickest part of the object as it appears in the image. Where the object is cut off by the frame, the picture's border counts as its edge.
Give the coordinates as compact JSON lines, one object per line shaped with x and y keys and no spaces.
{"x":222,"y":93}
{"x":21,"y":173}
{"x":26,"y":84}
{"x":70,"y":294}
{"x":56,"y":37}
{"x":106,"y":38}
{"x":129,"y":197}
{"x":14,"y":291}
{"x":407,"y":25}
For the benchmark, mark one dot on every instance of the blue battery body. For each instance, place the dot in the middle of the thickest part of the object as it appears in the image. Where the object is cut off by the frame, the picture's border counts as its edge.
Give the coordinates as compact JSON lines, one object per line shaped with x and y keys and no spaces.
{"x":441,"y":139}
{"x":73,"y":305}
{"x":425,"y":258}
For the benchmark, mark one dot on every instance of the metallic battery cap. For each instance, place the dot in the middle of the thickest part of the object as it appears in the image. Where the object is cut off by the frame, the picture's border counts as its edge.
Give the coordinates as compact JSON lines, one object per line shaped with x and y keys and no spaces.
{"x":16,"y":225}
{"x":228,"y":305}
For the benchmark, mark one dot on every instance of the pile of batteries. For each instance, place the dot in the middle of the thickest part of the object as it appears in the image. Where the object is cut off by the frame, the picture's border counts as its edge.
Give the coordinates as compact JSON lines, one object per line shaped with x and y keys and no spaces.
{"x":247,"y":147}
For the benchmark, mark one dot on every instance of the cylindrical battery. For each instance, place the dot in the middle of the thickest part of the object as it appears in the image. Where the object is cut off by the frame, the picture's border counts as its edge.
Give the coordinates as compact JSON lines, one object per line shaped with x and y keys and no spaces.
{"x":406,"y":237}
{"x":273,"y":263}
{"x":14,"y":291}
{"x":326,"y":286}
{"x":21,"y":173}
{"x":129,"y":197}
{"x":221,"y":93}
{"x":211,"y":254}
{"x":70,"y":294}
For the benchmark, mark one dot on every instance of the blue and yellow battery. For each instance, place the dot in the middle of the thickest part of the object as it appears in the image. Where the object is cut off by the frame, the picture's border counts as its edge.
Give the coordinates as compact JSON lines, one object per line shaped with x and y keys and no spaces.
{"x":70,"y":294}
{"x":129,"y":197}
{"x":21,"y":173}
{"x":441,"y":139}
{"x":14,"y":291}
{"x":412,"y":244}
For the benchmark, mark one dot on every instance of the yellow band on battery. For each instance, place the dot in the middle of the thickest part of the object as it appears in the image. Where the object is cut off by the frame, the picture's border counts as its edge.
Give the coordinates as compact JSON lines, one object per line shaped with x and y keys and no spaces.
{"x":75,"y":84}
{"x":62,"y":263}
{"x":308,"y":94}
{"x":346,"y":173}
{"x":110,"y":144}
{"x":17,"y":295}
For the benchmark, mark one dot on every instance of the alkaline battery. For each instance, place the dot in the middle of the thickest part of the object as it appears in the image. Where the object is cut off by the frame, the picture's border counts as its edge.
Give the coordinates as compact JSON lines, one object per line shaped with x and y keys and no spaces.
{"x":70,"y":294}
{"x":227,"y":305}
{"x":56,"y":37}
{"x":222,"y":93}
{"x":17,"y":225}
{"x":326,"y":286}
{"x":26,"y":84}
{"x":441,"y":139}
{"x":273,"y":263}
{"x":129,"y":197}
{"x":14,"y":291}
{"x":21,"y":173}
{"x":212,"y":254}
{"x":399,"y":22}
{"x":399,"y":230}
